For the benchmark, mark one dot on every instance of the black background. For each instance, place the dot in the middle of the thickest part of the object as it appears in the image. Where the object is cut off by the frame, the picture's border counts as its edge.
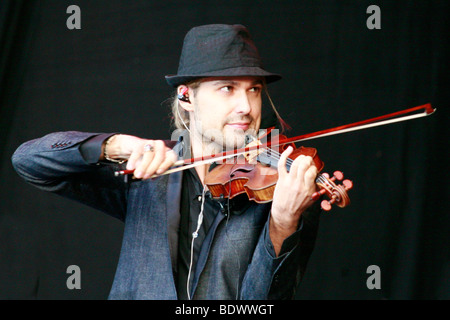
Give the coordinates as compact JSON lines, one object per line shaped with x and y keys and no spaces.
{"x":109,"y":77}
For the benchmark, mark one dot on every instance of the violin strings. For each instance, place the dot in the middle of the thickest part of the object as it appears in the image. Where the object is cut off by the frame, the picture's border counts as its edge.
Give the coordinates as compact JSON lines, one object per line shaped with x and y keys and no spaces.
{"x":289,"y":162}
{"x":319,"y":179}
{"x":277,"y":156}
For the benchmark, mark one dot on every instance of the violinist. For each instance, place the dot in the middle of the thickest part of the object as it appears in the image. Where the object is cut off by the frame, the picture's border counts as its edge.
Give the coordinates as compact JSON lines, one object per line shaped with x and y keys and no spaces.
{"x":179,"y":242}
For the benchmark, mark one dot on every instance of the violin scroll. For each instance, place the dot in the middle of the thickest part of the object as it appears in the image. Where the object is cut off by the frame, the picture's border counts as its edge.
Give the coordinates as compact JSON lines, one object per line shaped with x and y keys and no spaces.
{"x":336,"y":193}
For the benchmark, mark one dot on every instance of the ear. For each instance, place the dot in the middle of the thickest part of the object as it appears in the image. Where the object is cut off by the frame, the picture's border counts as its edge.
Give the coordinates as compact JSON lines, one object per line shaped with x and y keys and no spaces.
{"x":183,"y":98}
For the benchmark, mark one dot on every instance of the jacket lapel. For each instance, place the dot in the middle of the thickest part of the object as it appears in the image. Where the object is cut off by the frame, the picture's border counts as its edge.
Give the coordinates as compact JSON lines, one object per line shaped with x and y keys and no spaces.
{"x":173,"y":200}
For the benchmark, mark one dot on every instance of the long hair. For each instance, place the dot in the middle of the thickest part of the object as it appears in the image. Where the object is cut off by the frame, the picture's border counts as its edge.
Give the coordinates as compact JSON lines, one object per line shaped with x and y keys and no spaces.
{"x":180,"y":117}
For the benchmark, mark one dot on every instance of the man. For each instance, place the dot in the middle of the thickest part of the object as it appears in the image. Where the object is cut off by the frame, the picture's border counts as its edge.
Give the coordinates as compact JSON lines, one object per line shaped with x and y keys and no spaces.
{"x":178,"y":242}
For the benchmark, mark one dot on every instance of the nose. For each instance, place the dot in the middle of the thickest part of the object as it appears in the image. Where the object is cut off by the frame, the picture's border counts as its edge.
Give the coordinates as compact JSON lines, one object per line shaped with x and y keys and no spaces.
{"x":243,"y":105}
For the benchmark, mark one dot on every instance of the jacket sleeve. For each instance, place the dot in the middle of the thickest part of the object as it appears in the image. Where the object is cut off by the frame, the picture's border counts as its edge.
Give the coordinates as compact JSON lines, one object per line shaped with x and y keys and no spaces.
{"x":276,"y":278}
{"x":56,"y":164}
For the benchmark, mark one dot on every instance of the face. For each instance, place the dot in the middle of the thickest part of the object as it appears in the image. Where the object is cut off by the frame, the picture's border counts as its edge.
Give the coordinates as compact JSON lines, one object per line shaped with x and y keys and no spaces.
{"x":224,"y":110}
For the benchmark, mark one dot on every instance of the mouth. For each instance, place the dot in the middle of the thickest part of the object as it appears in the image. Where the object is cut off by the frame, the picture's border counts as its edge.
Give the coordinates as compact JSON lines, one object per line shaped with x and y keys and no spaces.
{"x":239,"y":125}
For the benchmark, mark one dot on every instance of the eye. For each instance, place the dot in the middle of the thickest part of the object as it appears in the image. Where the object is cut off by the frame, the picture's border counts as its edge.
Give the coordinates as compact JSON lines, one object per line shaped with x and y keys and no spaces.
{"x":227,"y":89}
{"x":256,"y":89}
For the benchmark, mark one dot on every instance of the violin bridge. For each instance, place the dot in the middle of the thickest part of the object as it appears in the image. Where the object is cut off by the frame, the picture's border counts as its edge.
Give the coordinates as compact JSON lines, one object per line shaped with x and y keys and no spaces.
{"x":252,"y":155}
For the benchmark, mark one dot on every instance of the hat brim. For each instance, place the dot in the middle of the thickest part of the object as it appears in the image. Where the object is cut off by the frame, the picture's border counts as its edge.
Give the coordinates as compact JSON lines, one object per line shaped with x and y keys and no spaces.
{"x":176,"y":80}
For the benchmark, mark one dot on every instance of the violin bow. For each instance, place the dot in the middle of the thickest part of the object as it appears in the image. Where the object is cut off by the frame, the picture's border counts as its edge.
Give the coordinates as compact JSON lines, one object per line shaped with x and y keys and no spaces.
{"x":394,"y":117}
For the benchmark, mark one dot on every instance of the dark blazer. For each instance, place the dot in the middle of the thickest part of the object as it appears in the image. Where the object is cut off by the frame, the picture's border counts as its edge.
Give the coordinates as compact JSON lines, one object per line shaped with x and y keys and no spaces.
{"x":236,"y":261}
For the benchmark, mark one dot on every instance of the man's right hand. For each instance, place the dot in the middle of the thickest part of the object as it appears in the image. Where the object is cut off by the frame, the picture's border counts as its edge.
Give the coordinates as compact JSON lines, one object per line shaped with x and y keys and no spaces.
{"x":144,"y":162}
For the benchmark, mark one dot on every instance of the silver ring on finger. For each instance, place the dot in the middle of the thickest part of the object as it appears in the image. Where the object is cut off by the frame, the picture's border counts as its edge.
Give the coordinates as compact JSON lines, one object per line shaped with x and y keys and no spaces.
{"x":148,"y":148}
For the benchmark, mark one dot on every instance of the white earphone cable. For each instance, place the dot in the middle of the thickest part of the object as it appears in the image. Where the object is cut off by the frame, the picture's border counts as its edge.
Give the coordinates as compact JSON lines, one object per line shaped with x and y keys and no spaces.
{"x":194,"y":236}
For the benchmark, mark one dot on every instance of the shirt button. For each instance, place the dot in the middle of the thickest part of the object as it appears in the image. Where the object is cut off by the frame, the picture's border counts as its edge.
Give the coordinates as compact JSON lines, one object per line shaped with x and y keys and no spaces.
{"x":199,"y":198}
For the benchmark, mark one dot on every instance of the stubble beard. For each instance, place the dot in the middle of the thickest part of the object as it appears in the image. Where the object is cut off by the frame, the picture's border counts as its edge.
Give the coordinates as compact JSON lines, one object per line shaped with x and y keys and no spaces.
{"x":224,"y":139}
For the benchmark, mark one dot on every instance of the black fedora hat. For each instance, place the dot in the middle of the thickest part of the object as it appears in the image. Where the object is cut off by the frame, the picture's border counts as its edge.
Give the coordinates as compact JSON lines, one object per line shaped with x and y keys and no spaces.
{"x":219,"y":50}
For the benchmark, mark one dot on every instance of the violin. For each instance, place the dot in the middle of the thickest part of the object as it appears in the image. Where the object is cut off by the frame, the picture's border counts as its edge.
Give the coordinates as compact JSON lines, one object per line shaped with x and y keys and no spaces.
{"x":258,"y":179}
{"x":255,"y":174}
